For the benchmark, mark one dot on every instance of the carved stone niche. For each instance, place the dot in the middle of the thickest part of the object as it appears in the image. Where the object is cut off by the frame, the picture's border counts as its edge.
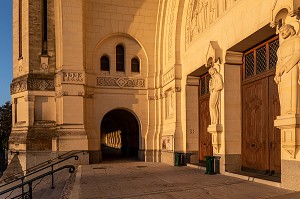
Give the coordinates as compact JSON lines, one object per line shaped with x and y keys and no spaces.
{"x":214,"y":53}
{"x":215,"y":130}
{"x":287,"y":12}
{"x":283,"y":8}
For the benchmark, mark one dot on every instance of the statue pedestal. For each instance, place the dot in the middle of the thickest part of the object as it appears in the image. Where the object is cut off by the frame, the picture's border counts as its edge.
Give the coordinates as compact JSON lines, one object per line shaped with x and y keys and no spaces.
{"x":290,"y":133}
{"x":216,"y":130}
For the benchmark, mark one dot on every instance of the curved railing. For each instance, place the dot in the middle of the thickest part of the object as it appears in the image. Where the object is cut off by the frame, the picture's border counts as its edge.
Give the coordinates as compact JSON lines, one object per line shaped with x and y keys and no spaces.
{"x":28,"y":194}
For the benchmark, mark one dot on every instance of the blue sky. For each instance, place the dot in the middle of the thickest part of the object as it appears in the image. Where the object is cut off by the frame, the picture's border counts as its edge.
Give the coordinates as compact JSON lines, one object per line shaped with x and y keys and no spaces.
{"x":5,"y":49}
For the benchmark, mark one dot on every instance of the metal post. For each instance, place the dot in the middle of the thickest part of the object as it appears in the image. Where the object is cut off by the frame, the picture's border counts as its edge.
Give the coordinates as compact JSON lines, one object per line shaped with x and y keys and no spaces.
{"x":52,"y":175}
{"x":22,"y":188}
{"x":30,"y":190}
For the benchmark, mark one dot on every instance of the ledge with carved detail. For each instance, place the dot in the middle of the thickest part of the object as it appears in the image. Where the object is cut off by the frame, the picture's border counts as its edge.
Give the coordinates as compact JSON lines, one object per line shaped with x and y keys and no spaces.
{"x":121,"y":82}
{"x":215,"y":130}
{"x":290,"y":133}
{"x":32,"y":82}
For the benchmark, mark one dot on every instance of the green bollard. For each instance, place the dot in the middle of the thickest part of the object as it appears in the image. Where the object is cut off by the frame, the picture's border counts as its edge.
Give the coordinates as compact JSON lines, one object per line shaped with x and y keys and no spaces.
{"x":217,"y":164}
{"x":210,"y":165}
{"x":178,"y":159}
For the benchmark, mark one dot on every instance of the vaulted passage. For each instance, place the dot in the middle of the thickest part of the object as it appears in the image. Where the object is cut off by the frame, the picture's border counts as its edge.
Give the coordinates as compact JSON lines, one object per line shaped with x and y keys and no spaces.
{"x":119,"y":135}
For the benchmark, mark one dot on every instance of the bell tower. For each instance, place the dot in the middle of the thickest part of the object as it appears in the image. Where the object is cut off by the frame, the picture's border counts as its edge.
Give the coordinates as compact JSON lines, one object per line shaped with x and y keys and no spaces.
{"x":36,"y":99}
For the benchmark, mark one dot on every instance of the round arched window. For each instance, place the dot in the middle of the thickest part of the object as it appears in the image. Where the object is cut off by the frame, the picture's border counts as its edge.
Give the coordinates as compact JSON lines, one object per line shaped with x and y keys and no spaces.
{"x":135,"y":65}
{"x":104,"y":63}
{"x":120,"y":58}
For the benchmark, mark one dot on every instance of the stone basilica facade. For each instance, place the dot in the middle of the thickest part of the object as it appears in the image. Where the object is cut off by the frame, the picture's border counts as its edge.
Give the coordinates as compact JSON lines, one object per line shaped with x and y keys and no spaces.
{"x":152,"y":78}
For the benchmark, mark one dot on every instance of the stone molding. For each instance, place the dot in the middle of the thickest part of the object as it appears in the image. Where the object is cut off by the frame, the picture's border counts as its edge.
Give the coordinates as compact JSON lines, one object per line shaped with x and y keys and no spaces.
{"x":32,"y":82}
{"x":171,"y":25}
{"x":44,"y":123}
{"x":169,"y":76}
{"x":120,"y":82}
{"x":234,"y":58}
{"x":192,"y":81}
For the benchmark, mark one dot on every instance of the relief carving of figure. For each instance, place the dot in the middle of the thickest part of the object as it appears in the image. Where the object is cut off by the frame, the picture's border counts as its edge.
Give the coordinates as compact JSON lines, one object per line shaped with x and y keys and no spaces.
{"x":287,"y":69}
{"x":215,"y":87}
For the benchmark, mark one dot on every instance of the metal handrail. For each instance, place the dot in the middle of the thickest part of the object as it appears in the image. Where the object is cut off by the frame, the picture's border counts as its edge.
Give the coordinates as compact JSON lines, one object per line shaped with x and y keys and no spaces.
{"x":70,"y":153}
{"x":29,"y":182}
{"x":43,"y":168}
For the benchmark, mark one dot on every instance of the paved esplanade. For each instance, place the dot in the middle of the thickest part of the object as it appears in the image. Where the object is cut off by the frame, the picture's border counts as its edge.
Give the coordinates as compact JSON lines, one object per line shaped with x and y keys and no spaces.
{"x":157,"y":180}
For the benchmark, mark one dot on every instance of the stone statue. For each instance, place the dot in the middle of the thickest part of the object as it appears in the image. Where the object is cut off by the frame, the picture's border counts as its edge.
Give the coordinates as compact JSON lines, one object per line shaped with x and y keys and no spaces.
{"x":287,"y":70}
{"x":215,"y":87}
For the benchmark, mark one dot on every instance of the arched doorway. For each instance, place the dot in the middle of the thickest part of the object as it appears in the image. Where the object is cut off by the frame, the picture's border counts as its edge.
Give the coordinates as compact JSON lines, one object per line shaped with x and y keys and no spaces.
{"x":119,"y":135}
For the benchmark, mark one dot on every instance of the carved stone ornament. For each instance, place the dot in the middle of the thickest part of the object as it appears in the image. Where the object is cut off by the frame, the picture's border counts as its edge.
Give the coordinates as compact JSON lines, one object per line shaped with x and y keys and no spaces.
{"x":202,"y":13}
{"x":281,"y":9}
{"x":170,"y":104}
{"x":284,"y":17}
{"x":121,"y":82}
{"x":171,"y":25}
{"x":215,"y":131}
{"x":44,"y":62}
{"x":214,"y":53}
{"x":32,"y":82}
{"x":73,"y":77}
{"x":169,"y":76}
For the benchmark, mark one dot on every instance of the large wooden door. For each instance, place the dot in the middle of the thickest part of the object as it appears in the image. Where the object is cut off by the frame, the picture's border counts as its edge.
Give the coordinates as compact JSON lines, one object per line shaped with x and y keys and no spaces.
{"x":255,"y":125}
{"x":261,"y":148}
{"x":205,"y":137}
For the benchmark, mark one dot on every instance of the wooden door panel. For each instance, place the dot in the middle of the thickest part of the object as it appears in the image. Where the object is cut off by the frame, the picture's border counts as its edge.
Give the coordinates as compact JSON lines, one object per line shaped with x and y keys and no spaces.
{"x":205,"y":138}
{"x":255,"y":112}
{"x":274,"y":133}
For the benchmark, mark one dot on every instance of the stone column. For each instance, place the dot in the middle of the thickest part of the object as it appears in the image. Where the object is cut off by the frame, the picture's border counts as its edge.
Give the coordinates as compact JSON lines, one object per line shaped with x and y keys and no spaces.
{"x":231,"y":109}
{"x":192,"y":118}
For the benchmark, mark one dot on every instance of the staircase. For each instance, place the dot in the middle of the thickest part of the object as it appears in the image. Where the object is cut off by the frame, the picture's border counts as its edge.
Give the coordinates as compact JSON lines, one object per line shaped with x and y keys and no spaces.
{"x":49,"y":179}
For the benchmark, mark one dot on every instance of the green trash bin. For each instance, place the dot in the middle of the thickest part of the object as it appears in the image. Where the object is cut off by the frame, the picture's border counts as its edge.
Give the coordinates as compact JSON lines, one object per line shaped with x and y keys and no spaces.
{"x":210,"y":165}
{"x":178,"y":159}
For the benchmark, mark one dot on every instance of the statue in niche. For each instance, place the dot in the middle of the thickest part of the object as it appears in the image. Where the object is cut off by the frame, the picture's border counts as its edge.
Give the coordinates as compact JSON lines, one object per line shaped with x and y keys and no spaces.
{"x":287,"y":69}
{"x":215,"y":87}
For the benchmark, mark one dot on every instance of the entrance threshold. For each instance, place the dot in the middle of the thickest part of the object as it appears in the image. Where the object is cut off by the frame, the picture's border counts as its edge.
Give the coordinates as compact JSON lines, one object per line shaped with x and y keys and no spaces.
{"x":252,"y":177}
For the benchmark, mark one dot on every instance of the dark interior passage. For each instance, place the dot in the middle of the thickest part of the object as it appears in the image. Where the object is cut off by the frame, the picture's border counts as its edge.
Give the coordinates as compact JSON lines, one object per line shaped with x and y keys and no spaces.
{"x":119,"y":135}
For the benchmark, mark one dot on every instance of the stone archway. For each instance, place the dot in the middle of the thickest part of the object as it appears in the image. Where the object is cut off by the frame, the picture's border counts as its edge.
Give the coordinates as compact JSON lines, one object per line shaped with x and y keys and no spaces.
{"x":120,"y":133}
